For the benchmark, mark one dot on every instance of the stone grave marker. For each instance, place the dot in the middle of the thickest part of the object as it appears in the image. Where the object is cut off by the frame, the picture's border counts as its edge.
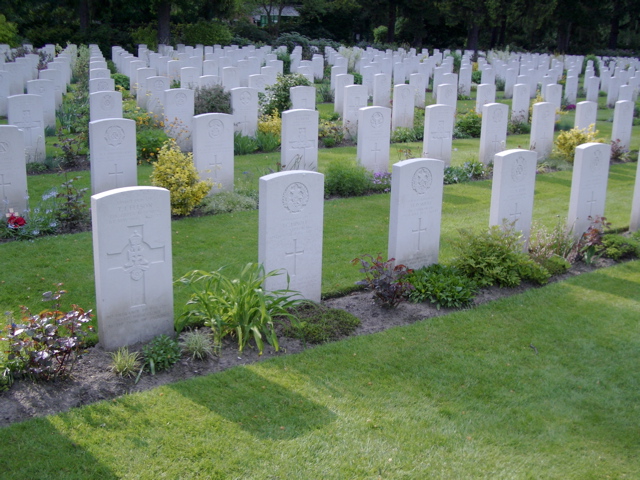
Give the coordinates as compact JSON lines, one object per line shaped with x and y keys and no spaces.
{"x":381,"y":90}
{"x":230,"y":78}
{"x":299,"y":150}
{"x":419,"y":83}
{"x":156,"y":86}
{"x":133,"y":265}
{"x":101,"y":85}
{"x":258,"y":81}
{"x":25,"y":112}
{"x":189,"y":77}
{"x":493,"y":133}
{"x":112,"y":144}
{"x":403,"y":105}
{"x":438,"y":133}
{"x":103,"y":105}
{"x":291,"y":229}
{"x":588,"y":186}
{"x":416,"y":212}
{"x":303,"y":97}
{"x":586,"y":113}
{"x":447,"y":94}
{"x":622,"y":124}
{"x":46,"y":90}
{"x":593,"y":89}
{"x":244,"y":105}
{"x":342,"y":80}
{"x":486,"y":93}
{"x":355,"y":98}
{"x":514,"y":180}
{"x":374,"y":138}
{"x":520,"y":103}
{"x":178,"y":116}
{"x":542,"y":125}
{"x":213,"y":149}
{"x":13,"y":171}
{"x":634,"y":223}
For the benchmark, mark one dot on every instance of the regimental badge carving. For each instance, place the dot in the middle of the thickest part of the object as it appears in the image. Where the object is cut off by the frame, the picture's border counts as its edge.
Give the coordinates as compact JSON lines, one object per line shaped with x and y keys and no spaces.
{"x":114,"y":135}
{"x":377,"y":119}
{"x":181,"y":99}
{"x":245,"y":98}
{"x":518,"y":170}
{"x":295,"y":197}
{"x":159,"y":85}
{"x":106,"y":103}
{"x":136,"y":263}
{"x":4,"y":147}
{"x":596,"y":159}
{"x":421,"y":181}
{"x":497,"y":115}
{"x":216,"y":127}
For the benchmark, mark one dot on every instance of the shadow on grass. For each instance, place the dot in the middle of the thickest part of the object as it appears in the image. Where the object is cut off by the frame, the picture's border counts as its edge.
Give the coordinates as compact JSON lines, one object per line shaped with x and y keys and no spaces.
{"x":449,"y":198}
{"x":620,"y":287}
{"x":553,"y":179}
{"x":259,"y":406}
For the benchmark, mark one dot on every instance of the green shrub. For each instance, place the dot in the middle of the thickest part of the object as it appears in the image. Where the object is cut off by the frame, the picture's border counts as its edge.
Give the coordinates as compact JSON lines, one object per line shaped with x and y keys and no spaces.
{"x":495,"y":257}
{"x":518,"y":128}
{"x":620,"y":247}
{"x":124,"y":362}
{"x":320,"y":324}
{"x":403,"y":135}
{"x":277,"y":97}
{"x":176,"y":172}
{"x":161,"y":353}
{"x":387,"y":280}
{"x":121,"y":80}
{"x":345,"y":178}
{"x":197,"y":344}
{"x":243,"y":145}
{"x":558,"y":241}
{"x":202,"y":32}
{"x":212,"y":99}
{"x":229,"y":202}
{"x":330,"y":133}
{"x":8,"y":32}
{"x":267,"y":142}
{"x":441,"y":285}
{"x":238,"y":306}
{"x":470,"y":170}
{"x":567,"y":141}
{"x":292,"y":40}
{"x":476,"y":77}
{"x":146,"y":35}
{"x":324,"y":93}
{"x":469,"y":124}
{"x":149,"y":141}
{"x":380,"y":34}
{"x":555,"y":264}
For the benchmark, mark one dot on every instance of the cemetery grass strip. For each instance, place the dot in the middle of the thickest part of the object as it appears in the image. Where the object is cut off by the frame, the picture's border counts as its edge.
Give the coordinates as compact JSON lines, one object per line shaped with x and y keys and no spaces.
{"x":460,"y":396}
{"x":353,"y":226}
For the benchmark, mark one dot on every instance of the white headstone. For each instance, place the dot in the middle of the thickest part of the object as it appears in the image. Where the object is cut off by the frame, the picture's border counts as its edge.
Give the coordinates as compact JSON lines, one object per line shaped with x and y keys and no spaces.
{"x":588,"y":186}
{"x":156,"y":87}
{"x":290,"y":230}
{"x":447,"y":94}
{"x":622,"y":124}
{"x":178,"y":112}
{"x":46,"y":90}
{"x":112,"y":144}
{"x":101,"y":85}
{"x":586,"y":114}
{"x":299,"y":150}
{"x":374,"y":138}
{"x":520,"y":103}
{"x":486,"y":93}
{"x":355,"y":98}
{"x":542,"y":125}
{"x":133,"y":265}
{"x":438,"y":133}
{"x":403,"y":105}
{"x":26,"y":113}
{"x":244,"y":104}
{"x":103,"y":105}
{"x":416,"y":212}
{"x":514,"y":180}
{"x":634,"y":223}
{"x":303,"y":97}
{"x":13,"y":171}
{"x":213,"y":149}
{"x":493,"y":134}
{"x":342,"y":80}
{"x":593,"y":89}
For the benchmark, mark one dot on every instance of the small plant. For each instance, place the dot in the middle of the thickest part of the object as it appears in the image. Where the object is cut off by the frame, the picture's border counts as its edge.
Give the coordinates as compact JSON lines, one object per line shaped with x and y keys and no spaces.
{"x":161,"y":353}
{"x":121,"y":80}
{"x":330,"y":133}
{"x":124,"y":362}
{"x":70,"y":146}
{"x":381,"y":182}
{"x":388,"y":281}
{"x":229,"y":202}
{"x":320,"y":324}
{"x":345,"y":178}
{"x":557,"y":242}
{"x":403,"y":135}
{"x":243,"y":145}
{"x":45,"y":346}
{"x":197,"y":344}
{"x":620,"y":247}
{"x":176,"y":172}
{"x":566,"y":142}
{"x":267,"y":141}
{"x":324,"y":93}
{"x":237,"y":306}
{"x":469,"y":124}
{"x":277,"y":97}
{"x":443,"y":286}
{"x":270,"y":124}
{"x":72,"y":211}
{"x":618,"y":152}
{"x":518,"y":127}
{"x":149,"y":142}
{"x":471,"y":170}
{"x":212,"y":99}
{"x":590,"y":245}
{"x":495,"y":257}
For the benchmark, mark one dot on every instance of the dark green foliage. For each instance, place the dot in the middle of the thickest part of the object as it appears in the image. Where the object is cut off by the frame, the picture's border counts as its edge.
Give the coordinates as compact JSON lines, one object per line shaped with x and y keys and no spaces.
{"x":403,"y":135}
{"x":121,"y":80}
{"x":324,"y":93}
{"x":244,"y":145}
{"x":330,"y":133}
{"x":267,"y":141}
{"x":212,"y":99}
{"x":161,"y":353}
{"x":357,"y":78}
{"x":441,"y":285}
{"x":205,"y":33}
{"x":472,"y":170}
{"x":242,"y":28}
{"x":495,"y":257}
{"x":345,"y":178}
{"x":72,"y":210}
{"x":277,"y":97}
{"x":476,"y":77}
{"x":518,"y":128}
{"x":149,"y":141}
{"x":555,"y":264}
{"x":286,"y":62}
{"x":387,"y":281}
{"x":320,"y":324}
{"x":620,"y":247}
{"x":468,"y":125}
{"x":45,"y":346}
{"x":292,"y":40}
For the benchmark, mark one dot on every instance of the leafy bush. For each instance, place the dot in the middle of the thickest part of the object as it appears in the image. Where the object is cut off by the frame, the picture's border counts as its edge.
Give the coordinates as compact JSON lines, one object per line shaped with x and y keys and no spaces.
{"x":555,"y":264}
{"x":388,"y":282}
{"x":8,"y":32}
{"x":346,"y":178}
{"x":441,"y":285}
{"x":270,"y":124}
{"x":330,"y":133}
{"x":469,"y":124}
{"x":146,"y":35}
{"x":320,"y":324}
{"x":471,"y":170}
{"x":212,"y":99}
{"x":237,"y":306}
{"x":324,"y":93}
{"x":619,"y":247}
{"x":197,"y":344}
{"x":71,"y":209}
{"x":495,"y":257}
{"x":292,"y":40}
{"x":176,"y":172}
{"x":46,"y":345}
{"x":380,"y":34}
{"x":566,"y":142}
{"x":121,"y":80}
{"x":559,"y":241}
{"x":267,"y":142}
{"x":229,"y":202}
{"x":403,"y":135}
{"x":149,"y":142}
{"x":124,"y":362}
{"x":243,"y":145}
{"x":515,"y":127}
{"x":381,"y":182}
{"x":277,"y":97}
{"x":476,"y":77}
{"x":202,"y":32}
{"x":161,"y":353}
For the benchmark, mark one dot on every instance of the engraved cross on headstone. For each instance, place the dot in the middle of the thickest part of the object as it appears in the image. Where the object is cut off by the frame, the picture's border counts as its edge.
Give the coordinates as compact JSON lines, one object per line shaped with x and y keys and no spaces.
{"x":116,"y":173}
{"x":215,"y":166}
{"x":591,"y":203}
{"x":419,"y":231}
{"x":375,"y":151}
{"x":497,"y":144}
{"x":3,"y":184}
{"x":515,"y":216}
{"x":441,"y":135}
{"x":294,"y":254}
{"x":135,"y":258}
{"x":244,"y":125}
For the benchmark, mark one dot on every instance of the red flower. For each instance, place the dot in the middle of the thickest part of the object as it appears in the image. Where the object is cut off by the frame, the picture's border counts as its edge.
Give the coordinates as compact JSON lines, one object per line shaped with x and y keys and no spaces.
{"x":15,"y":221}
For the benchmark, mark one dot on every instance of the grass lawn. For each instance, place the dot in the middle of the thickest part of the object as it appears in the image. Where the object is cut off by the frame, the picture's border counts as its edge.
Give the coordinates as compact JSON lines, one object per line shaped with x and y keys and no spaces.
{"x":460,"y":396}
